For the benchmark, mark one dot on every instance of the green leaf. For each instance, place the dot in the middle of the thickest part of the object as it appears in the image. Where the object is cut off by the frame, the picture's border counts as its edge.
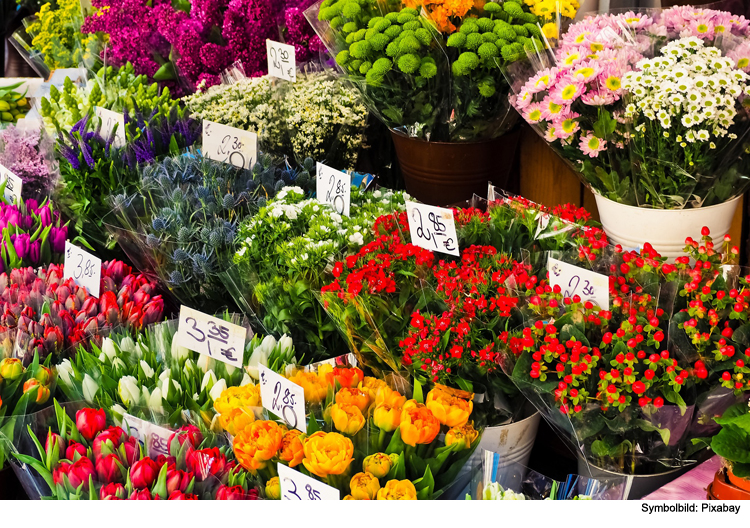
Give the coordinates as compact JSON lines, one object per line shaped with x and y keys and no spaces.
{"x":396,"y":445}
{"x":731,"y":443}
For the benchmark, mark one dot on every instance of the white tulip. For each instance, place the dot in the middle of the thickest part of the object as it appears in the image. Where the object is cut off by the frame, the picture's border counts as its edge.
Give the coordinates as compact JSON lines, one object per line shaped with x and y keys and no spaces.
{"x":165,"y":375}
{"x":118,"y":364}
{"x":140,"y":350}
{"x":108,"y":349}
{"x":180,"y":353}
{"x":217,"y":389}
{"x":127,"y":345}
{"x":268,"y":344}
{"x":205,"y":363}
{"x":230,"y":368}
{"x":146,"y":395}
{"x":285,"y":344}
{"x":90,"y":388}
{"x":209,"y":379}
{"x":130,"y":393}
{"x":177,"y":386}
{"x":147,"y":370}
{"x":154,"y":402}
{"x":259,"y":357}
{"x":118,"y":410}
{"x":246,"y":380}
{"x":65,"y":371}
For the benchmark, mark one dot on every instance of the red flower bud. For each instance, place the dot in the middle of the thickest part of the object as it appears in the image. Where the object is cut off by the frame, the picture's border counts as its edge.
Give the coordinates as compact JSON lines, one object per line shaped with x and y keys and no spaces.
{"x":89,"y":422}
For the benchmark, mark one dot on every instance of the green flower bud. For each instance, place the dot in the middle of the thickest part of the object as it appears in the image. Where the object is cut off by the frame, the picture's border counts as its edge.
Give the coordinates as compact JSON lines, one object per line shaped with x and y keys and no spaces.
{"x":410,"y":11}
{"x":413,"y":25}
{"x":533,"y":30}
{"x":489,"y":37}
{"x":355,"y":64}
{"x":351,"y":10}
{"x":485,"y":24}
{"x":486,"y":88}
{"x":493,"y":8}
{"x":529,"y":18}
{"x":349,"y":27}
{"x":379,"y":42}
{"x":360,"y":49}
{"x":424,"y":36}
{"x":409,"y":44}
{"x":343,"y":57}
{"x":474,"y":40}
{"x":513,"y":9}
{"x":382,"y":65}
{"x":488,"y":51}
{"x":505,"y":33}
{"x":365,"y":67}
{"x":469,"y":26}
{"x":458,"y":69}
{"x":520,"y":31}
{"x":392,"y":49}
{"x":374,"y":21}
{"x":403,"y":17}
{"x":469,"y":60}
{"x":457,"y":40}
{"x":382,"y":25}
{"x":510,"y":53}
{"x":374,"y":78}
{"x":391,"y":17}
{"x":409,"y":63}
{"x":392,"y":32}
{"x":428,"y":70}
{"x":336,"y":22}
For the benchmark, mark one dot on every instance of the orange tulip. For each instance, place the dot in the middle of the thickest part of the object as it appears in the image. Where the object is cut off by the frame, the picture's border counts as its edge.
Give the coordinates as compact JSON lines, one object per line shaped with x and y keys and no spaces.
{"x":257,"y":444}
{"x":315,"y":387}
{"x":447,"y":408}
{"x":42,"y":392}
{"x":328,"y":454}
{"x":364,"y":486}
{"x":418,"y":425}
{"x":234,"y":421}
{"x":379,"y":464}
{"x":355,"y":397}
{"x":386,"y":417}
{"x":390,"y":397}
{"x":292,"y":450}
{"x":346,"y":377}
{"x":347,"y":418}
{"x":398,"y":490}
{"x":464,"y":434}
{"x":372,"y":386}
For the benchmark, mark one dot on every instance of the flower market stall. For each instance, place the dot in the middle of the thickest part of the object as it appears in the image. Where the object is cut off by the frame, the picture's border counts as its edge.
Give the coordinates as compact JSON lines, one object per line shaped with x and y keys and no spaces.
{"x":276,"y":250}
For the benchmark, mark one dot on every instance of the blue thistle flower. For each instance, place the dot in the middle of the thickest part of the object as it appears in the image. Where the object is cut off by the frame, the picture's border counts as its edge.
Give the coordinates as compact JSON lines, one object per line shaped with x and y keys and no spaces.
{"x":229,"y":201}
{"x":159,"y":224}
{"x":176,"y":278}
{"x":180,"y":255}
{"x":153,"y":241}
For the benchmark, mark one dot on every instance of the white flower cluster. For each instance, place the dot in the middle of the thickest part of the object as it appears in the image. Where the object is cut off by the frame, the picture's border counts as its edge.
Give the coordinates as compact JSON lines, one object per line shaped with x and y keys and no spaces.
{"x":690,"y":87}
{"x":495,"y":491}
{"x":302,"y":236}
{"x":316,"y":117}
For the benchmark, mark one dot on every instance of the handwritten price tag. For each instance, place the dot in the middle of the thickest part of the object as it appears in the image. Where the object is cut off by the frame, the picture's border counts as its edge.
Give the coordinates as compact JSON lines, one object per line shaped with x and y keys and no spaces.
{"x":229,"y":145}
{"x":211,"y":336}
{"x":283,"y":398}
{"x":296,"y":486}
{"x":334,"y":187}
{"x":585,"y":283}
{"x":432,"y":228}
{"x":109,"y":120}
{"x":282,"y":62}
{"x":13,"y":185}
{"x":154,"y":437}
{"x":84,"y":268}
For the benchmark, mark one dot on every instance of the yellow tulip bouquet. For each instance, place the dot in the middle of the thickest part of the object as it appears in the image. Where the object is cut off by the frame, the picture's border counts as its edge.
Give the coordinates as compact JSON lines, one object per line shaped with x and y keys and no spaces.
{"x":367,"y":440}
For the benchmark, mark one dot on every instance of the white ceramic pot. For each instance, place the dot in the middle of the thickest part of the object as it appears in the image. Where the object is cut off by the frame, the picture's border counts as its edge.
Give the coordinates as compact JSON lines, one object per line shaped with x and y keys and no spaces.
{"x":512,"y":443}
{"x":665,"y":229}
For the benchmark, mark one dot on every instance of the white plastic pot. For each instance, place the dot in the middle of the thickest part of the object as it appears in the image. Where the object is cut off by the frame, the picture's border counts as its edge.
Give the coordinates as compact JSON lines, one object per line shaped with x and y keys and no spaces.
{"x":665,"y":229}
{"x":512,"y":443}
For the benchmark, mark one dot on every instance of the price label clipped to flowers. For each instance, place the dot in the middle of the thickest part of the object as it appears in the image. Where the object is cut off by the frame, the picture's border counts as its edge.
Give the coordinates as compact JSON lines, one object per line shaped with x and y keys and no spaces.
{"x":283,"y":398}
{"x":229,"y":145}
{"x":297,"y":486}
{"x":334,"y":187}
{"x":588,"y":285}
{"x":432,"y":228}
{"x":154,"y":437}
{"x":13,"y":185}
{"x":282,"y":62}
{"x":84,"y":268}
{"x":211,"y":336}
{"x":110,"y":119}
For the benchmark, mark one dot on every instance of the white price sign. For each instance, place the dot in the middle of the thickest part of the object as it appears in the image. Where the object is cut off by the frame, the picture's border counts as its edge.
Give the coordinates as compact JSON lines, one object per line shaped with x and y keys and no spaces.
{"x":110,"y":119}
{"x":229,"y":145}
{"x":154,"y":437}
{"x":13,"y":185}
{"x":76,"y":75}
{"x":211,"y":336}
{"x":282,"y":62}
{"x":84,"y":268}
{"x":283,"y":398}
{"x":297,"y":486}
{"x":432,"y":228}
{"x":334,"y":188}
{"x":588,"y":285}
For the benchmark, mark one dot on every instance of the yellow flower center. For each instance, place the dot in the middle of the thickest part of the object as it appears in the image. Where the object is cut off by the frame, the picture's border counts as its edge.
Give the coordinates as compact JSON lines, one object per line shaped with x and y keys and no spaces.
{"x":535,"y":115}
{"x":569,"y":92}
{"x":702,"y":28}
{"x":543,"y":80}
{"x":571,"y":59}
{"x":594,"y":143}
{"x":743,"y":62}
{"x":632,"y":19}
{"x":580,"y":38}
{"x":585,"y":72}
{"x":568,"y":125}
{"x":596,"y":46}
{"x":554,"y":108}
{"x":719,"y":29}
{"x":613,"y":83}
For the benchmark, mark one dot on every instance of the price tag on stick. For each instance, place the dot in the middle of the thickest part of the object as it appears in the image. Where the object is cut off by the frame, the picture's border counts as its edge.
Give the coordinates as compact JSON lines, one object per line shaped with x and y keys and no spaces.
{"x":283,"y":398}
{"x":282,"y":62}
{"x":297,"y":486}
{"x":154,"y":437}
{"x":432,"y":228}
{"x":84,"y":268}
{"x":588,"y":285}
{"x":13,"y":185}
{"x":211,"y":336}
{"x":229,"y":145}
{"x":109,"y":120}
{"x":334,"y":187}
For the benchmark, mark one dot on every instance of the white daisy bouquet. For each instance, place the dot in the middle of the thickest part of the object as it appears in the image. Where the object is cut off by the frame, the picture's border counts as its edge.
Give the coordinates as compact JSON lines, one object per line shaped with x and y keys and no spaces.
{"x":648,"y":109}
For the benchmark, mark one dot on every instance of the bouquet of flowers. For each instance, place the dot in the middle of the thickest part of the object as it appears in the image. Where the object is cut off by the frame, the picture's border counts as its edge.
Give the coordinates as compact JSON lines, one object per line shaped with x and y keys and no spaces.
{"x":92,"y":169}
{"x":165,"y":42}
{"x":372,"y":444}
{"x":710,"y":328}
{"x":28,"y":152}
{"x":44,"y":315}
{"x":120,"y":90}
{"x":32,"y":234}
{"x":82,"y":458}
{"x":431,"y":69}
{"x":22,"y":391}
{"x":152,"y":375}
{"x":284,"y":250}
{"x":183,"y":222}
{"x":648,"y":109}
{"x":325,"y":118}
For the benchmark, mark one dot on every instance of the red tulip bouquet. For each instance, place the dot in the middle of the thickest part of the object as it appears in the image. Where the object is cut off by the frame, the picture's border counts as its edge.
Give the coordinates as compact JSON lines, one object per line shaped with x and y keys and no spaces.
{"x":82,"y":458}
{"x":711,"y":327}
{"x":42,"y":313}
